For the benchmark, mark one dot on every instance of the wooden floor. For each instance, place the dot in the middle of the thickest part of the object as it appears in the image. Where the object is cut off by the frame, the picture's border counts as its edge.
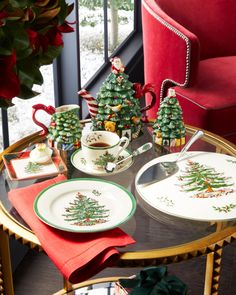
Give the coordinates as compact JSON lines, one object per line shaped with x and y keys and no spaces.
{"x":37,"y":275}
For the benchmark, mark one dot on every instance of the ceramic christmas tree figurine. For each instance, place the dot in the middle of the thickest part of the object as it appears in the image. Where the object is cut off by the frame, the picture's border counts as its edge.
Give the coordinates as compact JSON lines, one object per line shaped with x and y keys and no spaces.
{"x":117,"y":106}
{"x":65,"y":128}
{"x":169,"y":129}
{"x":64,"y":131}
{"x":118,"y":109}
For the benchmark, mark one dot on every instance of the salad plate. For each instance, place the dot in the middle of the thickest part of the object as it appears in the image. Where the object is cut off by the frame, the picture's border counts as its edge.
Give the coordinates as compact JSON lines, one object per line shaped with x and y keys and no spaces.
{"x":85,"y":205}
{"x":79,"y":162}
{"x":203,"y":189}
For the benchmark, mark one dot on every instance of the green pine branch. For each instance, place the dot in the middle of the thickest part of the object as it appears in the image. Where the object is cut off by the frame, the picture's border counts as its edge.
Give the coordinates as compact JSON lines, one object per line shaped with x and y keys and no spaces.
{"x":102,"y":160}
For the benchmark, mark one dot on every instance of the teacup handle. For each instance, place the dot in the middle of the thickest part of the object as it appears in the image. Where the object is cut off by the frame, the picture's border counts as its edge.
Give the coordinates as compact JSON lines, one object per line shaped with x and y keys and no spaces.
{"x":125,"y":141}
{"x":48,"y":109}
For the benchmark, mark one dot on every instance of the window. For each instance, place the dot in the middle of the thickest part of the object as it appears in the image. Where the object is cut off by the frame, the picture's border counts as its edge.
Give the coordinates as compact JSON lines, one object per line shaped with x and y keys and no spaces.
{"x":84,"y":62}
{"x":19,"y":117}
{"x":103,"y":28}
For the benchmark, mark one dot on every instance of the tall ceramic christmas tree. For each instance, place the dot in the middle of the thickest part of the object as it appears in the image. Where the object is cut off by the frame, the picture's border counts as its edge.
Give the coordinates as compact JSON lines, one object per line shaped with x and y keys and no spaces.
{"x":118,"y":108}
{"x":169,"y":129}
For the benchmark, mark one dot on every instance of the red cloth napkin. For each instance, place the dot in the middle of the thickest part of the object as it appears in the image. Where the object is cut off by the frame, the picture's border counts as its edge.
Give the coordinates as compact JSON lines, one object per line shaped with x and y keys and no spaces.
{"x":78,"y":256}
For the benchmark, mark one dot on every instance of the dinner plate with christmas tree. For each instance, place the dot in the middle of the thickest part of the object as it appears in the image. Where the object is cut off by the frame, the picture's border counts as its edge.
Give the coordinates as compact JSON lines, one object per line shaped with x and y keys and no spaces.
{"x":85,"y":205}
{"x":203,"y":189}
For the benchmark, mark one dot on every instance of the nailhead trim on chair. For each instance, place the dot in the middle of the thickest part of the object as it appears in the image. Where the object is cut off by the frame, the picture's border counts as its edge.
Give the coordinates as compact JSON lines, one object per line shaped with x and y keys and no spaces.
{"x":188,"y":47}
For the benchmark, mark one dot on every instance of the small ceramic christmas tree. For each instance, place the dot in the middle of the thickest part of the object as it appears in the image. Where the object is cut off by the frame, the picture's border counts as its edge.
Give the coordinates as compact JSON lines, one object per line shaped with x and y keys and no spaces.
{"x":169,"y":129}
{"x":65,"y":129}
{"x":118,"y":109}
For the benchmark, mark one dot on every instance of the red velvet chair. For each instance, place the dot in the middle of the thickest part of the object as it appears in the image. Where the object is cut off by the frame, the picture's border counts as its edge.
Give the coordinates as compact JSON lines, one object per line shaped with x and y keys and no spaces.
{"x":191,"y":45}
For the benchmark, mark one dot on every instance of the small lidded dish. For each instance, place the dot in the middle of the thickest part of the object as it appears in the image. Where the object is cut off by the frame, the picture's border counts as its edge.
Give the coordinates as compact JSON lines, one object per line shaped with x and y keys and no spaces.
{"x":41,"y":154}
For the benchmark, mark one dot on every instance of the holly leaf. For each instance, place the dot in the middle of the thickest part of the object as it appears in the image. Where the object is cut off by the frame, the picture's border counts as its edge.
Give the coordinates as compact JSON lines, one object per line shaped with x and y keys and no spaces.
{"x":48,"y":15}
{"x":20,"y":4}
{"x":15,"y":34}
{"x":6,"y":39}
{"x":29,"y":73}
{"x":64,"y":12}
{"x":48,"y":57}
{"x":5,"y":103}
{"x":5,"y":51}
{"x":27,"y":93}
{"x":21,"y":40}
{"x":42,"y":3}
{"x":21,"y":54}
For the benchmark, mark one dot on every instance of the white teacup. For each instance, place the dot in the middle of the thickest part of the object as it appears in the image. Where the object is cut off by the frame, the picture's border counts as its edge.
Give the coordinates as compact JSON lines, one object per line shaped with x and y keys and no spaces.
{"x":100,"y":147}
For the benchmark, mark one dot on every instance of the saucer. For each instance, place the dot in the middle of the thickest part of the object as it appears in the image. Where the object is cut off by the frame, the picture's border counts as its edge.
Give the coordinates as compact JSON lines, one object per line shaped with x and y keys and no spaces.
{"x":79,"y":162}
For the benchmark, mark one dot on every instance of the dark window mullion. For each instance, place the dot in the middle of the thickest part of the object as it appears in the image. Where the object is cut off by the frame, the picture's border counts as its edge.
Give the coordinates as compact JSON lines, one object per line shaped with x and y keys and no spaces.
{"x":5,"y":129}
{"x":78,"y":52}
{"x":135,"y":15}
{"x":105,"y":30}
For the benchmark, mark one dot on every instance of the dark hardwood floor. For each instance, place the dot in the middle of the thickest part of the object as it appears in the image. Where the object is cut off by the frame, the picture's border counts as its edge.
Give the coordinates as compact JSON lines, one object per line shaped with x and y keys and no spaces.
{"x":37,"y":275}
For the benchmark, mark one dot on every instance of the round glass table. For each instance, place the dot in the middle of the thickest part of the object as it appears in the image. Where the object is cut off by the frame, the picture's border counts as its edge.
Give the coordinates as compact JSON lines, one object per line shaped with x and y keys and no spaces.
{"x":160,"y":238}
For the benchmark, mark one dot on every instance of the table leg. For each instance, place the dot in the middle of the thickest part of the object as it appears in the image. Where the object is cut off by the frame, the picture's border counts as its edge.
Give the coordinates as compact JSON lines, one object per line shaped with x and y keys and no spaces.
{"x":221,"y":225}
{"x":6,"y":281}
{"x":212,"y":276}
{"x":68,"y":287}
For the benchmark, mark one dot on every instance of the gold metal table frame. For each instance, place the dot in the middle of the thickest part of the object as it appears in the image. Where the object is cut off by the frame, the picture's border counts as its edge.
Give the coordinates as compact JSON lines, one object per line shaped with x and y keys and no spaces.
{"x":211,"y":245}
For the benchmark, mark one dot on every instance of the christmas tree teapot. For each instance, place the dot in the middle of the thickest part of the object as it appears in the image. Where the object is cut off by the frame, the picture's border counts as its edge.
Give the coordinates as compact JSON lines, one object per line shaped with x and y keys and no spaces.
{"x":117,"y":105}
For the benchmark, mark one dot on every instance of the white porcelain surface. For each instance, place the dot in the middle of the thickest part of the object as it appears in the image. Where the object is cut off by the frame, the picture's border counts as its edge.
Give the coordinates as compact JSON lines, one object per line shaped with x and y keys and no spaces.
{"x":171,"y":196}
{"x":20,"y":167}
{"x":95,"y":155}
{"x":79,"y":162}
{"x":50,"y":205}
{"x":41,"y":155}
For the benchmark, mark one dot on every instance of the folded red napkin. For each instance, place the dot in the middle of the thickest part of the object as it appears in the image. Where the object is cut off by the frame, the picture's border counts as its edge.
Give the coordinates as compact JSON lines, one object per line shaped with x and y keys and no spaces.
{"x":78,"y":256}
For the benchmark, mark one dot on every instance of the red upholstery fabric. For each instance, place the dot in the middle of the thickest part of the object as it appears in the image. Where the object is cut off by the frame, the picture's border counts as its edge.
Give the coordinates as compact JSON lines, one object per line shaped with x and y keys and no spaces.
{"x":210,"y":103}
{"x":162,"y":45}
{"x":212,"y":21}
{"x":192,"y":44}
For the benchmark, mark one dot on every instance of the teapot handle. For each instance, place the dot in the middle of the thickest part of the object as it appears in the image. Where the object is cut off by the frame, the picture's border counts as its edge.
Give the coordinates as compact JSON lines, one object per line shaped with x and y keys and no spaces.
{"x":141,"y":91}
{"x":48,"y":109}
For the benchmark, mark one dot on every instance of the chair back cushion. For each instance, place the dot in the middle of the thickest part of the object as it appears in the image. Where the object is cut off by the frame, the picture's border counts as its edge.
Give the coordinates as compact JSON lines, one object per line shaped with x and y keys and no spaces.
{"x":212,"y":21}
{"x":211,"y":103}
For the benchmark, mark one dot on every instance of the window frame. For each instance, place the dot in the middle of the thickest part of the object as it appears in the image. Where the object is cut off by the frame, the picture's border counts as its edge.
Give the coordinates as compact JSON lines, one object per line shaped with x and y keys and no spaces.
{"x":66,"y":71}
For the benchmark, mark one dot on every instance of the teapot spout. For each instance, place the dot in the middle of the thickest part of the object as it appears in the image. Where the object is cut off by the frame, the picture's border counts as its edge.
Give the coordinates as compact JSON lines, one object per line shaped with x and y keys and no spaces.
{"x":91,"y":102}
